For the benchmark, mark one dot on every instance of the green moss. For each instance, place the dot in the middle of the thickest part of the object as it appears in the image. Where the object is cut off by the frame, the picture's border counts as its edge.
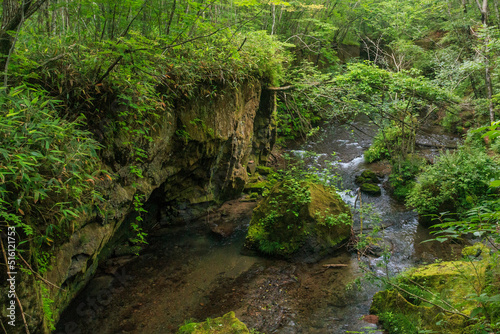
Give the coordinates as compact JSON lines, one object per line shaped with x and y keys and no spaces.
{"x":263,"y":170}
{"x":371,"y":189}
{"x":299,"y":214}
{"x":257,"y":187}
{"x":369,"y":176}
{"x":446,"y":283}
{"x":227,"y":324}
{"x":359,"y":180}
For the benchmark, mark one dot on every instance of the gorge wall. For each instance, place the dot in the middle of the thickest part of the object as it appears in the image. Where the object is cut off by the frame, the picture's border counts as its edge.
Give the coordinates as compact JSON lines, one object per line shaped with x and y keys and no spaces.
{"x":197,"y":158}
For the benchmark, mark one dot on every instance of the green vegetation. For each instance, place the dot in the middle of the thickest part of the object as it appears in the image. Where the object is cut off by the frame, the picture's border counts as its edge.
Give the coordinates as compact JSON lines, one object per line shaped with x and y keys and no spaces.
{"x":49,"y":169}
{"x":456,"y":182}
{"x":296,"y":213}
{"x":371,"y":189}
{"x":83,"y":80}
{"x":445,"y":297}
{"x":227,"y":324}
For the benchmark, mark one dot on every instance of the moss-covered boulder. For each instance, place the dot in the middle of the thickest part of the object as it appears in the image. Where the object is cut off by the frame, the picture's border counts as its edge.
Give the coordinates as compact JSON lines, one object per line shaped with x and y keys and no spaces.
{"x":264,"y":170}
{"x":227,"y":324}
{"x":371,"y":189}
{"x":299,"y":220}
{"x":447,"y":285}
{"x":367,"y":176}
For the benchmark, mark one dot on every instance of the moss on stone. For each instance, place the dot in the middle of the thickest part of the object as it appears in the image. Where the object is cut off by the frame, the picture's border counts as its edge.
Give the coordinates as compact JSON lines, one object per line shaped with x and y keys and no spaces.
{"x":359,"y":180}
{"x":227,"y":324}
{"x":454,"y":282}
{"x":311,"y":218}
{"x":370,"y":176}
{"x":257,"y":187}
{"x":371,"y":189}
{"x":263,"y":170}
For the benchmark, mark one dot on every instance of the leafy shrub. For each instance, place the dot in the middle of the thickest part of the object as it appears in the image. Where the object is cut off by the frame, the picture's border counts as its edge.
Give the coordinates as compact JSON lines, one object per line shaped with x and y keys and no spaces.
{"x":402,"y":178}
{"x":398,"y":323}
{"x":495,"y":146}
{"x":456,"y":181}
{"x":298,"y":110}
{"x":49,"y":166}
{"x":385,"y":138}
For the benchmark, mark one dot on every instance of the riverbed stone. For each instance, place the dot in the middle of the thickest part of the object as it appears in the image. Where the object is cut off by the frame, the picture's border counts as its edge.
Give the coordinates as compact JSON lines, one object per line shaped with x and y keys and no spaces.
{"x":227,"y":324}
{"x":367,"y":176}
{"x":371,"y":189}
{"x":300,"y":221}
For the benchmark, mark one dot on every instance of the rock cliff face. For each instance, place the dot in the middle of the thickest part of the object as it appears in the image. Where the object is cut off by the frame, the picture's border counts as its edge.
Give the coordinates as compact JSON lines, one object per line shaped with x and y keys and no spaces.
{"x":197,"y":159}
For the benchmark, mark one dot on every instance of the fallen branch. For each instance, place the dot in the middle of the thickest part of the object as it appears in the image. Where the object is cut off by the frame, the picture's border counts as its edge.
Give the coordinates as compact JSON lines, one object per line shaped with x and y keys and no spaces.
{"x":334,"y":265}
{"x":436,"y":145}
{"x":45,"y":63}
{"x":279,"y":89}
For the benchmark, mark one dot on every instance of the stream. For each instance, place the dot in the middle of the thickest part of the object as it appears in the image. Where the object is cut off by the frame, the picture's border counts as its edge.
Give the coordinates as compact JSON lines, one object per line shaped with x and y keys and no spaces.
{"x":188,"y":272}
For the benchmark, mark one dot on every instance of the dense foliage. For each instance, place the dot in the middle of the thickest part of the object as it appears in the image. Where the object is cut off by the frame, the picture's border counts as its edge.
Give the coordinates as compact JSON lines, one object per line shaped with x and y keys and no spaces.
{"x":77,"y":73}
{"x":49,"y":168}
{"x":457,"y":181}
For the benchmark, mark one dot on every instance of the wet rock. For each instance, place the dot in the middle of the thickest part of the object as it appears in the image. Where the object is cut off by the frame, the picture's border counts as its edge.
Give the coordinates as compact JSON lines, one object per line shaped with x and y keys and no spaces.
{"x":227,"y":324}
{"x":230,"y":216}
{"x":256,"y":185}
{"x":300,"y":221}
{"x":371,"y":189}
{"x":126,"y":249}
{"x":263,"y":170}
{"x":367,"y":176}
{"x":251,"y":167}
{"x":370,"y":318}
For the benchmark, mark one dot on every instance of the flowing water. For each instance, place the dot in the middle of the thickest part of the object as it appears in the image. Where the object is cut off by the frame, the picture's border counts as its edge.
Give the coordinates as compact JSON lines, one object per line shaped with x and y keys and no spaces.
{"x":189,"y":272}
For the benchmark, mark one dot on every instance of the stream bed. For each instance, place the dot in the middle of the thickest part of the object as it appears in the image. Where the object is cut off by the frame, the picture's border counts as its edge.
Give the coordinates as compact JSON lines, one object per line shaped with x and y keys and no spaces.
{"x":189,"y":272}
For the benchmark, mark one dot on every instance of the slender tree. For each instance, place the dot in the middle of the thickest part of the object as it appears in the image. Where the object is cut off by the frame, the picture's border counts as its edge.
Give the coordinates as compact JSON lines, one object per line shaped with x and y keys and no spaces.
{"x":14,"y":13}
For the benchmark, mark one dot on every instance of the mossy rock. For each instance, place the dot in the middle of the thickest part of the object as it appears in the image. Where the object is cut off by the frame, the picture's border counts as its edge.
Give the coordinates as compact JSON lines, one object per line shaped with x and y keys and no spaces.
{"x":257,"y":187}
{"x":359,"y":180}
{"x":227,"y":324}
{"x":369,"y":176}
{"x":371,"y":189}
{"x":264,"y":170}
{"x":299,"y":220}
{"x":453,"y":281}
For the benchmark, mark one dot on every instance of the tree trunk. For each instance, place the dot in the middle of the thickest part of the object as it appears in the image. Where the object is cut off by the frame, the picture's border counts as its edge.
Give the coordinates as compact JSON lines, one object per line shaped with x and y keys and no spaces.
{"x":497,"y":13}
{"x":489,"y":88}
{"x":273,"y":13}
{"x":483,"y":9}
{"x":13,"y":15}
{"x":487,"y":70}
{"x":172,"y":12}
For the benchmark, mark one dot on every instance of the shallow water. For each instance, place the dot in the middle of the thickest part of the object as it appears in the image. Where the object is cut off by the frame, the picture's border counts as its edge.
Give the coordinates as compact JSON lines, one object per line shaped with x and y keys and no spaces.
{"x":188,"y":272}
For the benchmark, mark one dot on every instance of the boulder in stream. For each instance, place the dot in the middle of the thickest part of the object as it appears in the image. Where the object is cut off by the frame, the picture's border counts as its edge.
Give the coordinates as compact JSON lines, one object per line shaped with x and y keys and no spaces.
{"x":367,"y":181}
{"x":367,"y":176}
{"x":300,"y":221}
{"x":371,"y":189}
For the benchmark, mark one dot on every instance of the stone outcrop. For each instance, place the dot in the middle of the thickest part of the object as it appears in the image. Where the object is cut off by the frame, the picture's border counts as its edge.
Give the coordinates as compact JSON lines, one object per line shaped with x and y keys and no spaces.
{"x":197,"y":159}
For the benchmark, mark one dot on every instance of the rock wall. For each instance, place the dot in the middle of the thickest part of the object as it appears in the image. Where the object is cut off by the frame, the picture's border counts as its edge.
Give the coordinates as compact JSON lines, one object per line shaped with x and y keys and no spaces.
{"x":197,"y":159}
